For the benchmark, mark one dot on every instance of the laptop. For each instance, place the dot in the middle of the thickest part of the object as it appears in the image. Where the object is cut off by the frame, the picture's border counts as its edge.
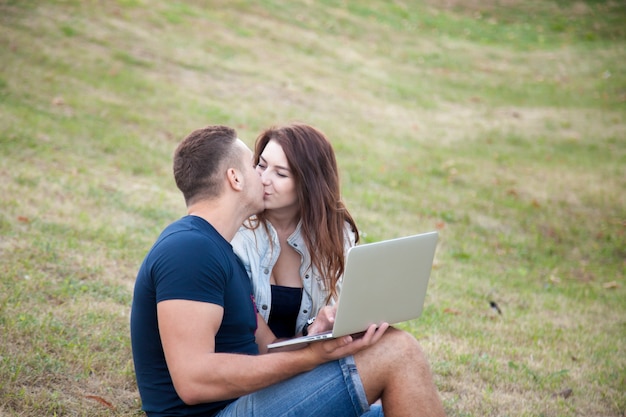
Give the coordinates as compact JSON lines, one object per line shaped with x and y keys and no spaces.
{"x":382,"y":282}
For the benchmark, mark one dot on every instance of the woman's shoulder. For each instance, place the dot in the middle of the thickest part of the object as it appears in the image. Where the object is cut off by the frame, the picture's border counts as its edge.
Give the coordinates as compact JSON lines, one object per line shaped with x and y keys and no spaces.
{"x":250,"y":236}
{"x":244,"y":234}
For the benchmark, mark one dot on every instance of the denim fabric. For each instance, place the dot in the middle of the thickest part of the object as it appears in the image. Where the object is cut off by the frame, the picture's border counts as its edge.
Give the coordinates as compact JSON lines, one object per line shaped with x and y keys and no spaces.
{"x":333,"y":389}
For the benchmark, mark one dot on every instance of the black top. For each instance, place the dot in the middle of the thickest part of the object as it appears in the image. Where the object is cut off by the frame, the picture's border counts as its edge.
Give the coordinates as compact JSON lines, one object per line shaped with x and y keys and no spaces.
{"x":285,"y":307}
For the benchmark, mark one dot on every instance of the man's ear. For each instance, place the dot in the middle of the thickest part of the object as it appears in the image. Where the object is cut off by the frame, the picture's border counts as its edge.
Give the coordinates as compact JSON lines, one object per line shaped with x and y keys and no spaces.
{"x":235,"y":179}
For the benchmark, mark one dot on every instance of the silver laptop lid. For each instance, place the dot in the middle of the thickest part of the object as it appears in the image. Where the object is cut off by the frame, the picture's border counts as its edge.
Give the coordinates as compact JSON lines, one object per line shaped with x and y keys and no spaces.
{"x":385,"y":282}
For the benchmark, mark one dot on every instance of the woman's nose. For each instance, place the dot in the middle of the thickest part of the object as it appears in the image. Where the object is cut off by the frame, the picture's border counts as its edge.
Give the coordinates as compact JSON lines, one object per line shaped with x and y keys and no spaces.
{"x":264,"y":177}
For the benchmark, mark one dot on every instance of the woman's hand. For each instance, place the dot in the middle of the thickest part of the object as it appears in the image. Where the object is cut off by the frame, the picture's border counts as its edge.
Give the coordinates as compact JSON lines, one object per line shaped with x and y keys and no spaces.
{"x":324,"y":320}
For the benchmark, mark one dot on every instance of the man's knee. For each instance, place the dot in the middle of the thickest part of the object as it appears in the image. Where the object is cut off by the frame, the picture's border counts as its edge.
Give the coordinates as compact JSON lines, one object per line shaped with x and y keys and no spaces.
{"x":398,"y":356}
{"x":396,"y":347}
{"x":402,"y":340}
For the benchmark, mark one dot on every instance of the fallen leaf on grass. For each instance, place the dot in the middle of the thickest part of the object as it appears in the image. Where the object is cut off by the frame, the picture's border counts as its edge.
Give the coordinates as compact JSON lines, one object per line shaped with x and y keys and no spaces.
{"x":452,"y":311}
{"x":100,"y":400}
{"x":610,"y":285}
{"x":565,"y":393}
{"x":23,"y":219}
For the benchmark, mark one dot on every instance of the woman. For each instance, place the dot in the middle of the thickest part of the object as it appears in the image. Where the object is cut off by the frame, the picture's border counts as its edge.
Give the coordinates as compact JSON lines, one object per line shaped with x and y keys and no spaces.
{"x":294,"y":251}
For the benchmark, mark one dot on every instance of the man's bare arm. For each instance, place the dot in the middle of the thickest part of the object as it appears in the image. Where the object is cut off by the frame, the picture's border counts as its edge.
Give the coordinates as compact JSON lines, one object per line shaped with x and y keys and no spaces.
{"x":200,"y":375}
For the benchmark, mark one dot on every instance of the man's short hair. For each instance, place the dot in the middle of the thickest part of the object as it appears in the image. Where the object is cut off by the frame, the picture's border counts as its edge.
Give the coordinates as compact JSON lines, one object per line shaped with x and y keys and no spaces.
{"x":201,"y":159}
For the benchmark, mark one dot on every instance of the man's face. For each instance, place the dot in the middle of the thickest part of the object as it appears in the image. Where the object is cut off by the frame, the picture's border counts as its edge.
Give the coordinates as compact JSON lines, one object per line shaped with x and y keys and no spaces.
{"x":253,"y":187}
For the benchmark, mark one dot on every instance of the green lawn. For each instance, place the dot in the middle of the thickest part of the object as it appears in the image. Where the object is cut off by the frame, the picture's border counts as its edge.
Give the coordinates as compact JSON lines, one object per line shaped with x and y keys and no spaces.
{"x":500,"y":124}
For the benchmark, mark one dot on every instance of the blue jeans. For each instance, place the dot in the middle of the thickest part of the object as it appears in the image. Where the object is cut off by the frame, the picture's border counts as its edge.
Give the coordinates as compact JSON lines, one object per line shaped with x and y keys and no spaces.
{"x":333,"y":389}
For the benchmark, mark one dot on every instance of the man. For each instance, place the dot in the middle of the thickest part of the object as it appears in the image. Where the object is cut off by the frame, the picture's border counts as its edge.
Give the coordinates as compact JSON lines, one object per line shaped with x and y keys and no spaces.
{"x":199,"y":345}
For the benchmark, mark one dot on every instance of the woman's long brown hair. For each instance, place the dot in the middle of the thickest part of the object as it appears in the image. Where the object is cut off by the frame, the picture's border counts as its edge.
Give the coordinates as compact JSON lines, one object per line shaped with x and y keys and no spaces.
{"x":323,"y":215}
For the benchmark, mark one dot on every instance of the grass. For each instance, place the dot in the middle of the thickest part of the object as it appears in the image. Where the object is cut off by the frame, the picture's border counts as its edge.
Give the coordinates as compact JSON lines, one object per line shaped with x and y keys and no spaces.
{"x":500,"y":124}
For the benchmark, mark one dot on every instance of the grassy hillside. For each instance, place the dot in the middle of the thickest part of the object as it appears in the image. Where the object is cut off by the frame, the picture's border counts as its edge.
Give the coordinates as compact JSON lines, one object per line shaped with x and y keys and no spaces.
{"x":500,"y":124}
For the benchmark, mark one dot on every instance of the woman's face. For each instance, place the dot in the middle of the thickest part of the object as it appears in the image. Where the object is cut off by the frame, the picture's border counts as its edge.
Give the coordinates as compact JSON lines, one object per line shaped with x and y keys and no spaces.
{"x":277,"y":178}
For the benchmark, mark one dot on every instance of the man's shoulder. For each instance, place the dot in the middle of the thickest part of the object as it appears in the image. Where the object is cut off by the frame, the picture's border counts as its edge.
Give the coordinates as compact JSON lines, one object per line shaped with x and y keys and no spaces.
{"x":191,"y":227}
{"x":189,"y":237}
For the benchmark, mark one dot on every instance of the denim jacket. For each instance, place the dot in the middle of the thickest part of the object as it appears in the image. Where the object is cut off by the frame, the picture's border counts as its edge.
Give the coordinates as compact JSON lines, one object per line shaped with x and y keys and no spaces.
{"x":259,"y":257}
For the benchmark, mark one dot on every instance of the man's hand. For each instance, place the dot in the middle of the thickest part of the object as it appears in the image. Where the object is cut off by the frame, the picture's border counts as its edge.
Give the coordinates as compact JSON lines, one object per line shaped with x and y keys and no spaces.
{"x":347,"y":345}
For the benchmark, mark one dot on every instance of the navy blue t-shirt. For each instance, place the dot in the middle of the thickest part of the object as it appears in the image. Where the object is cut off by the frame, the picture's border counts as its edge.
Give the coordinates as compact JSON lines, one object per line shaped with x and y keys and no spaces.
{"x":189,"y":261}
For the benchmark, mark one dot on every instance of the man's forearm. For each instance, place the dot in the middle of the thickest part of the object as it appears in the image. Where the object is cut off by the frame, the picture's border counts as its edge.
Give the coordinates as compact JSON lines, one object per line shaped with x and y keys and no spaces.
{"x":221,"y":376}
